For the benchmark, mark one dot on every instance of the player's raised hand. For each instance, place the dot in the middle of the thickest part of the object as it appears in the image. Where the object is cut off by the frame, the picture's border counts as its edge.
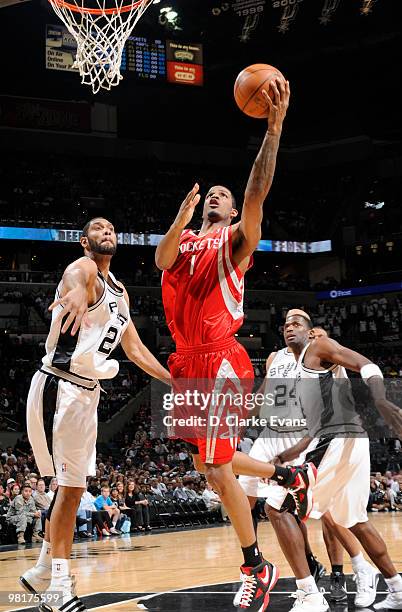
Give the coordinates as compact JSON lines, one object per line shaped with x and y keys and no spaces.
{"x":186,"y":210}
{"x":278,"y":106}
{"x":75,"y":305}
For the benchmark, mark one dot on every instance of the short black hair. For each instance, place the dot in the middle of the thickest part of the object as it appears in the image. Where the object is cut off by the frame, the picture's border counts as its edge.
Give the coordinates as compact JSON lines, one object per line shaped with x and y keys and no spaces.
{"x":88,"y":225}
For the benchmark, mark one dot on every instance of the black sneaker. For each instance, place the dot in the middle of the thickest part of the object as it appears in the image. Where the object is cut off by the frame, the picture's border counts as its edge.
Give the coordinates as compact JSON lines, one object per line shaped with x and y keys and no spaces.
{"x":257,"y":584}
{"x":337,"y":588}
{"x":317,"y":569}
{"x":300,"y":487}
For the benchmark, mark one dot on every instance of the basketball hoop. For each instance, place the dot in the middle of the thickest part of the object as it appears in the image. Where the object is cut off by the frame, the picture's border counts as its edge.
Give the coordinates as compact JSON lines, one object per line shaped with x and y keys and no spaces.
{"x":101,"y":33}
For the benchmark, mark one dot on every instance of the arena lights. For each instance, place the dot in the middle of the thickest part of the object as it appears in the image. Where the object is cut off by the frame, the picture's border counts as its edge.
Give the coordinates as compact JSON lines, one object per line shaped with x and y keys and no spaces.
{"x":328,"y":11}
{"x":367,"y":7}
{"x":169,"y":18}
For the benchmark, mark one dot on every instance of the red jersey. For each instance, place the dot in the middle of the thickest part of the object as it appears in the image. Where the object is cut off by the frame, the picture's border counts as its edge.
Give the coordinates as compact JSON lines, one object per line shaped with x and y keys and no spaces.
{"x":203,"y":291}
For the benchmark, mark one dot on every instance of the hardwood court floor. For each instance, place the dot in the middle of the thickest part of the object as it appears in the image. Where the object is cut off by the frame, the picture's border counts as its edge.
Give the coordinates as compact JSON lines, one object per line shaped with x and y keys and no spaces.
{"x":126,"y":569}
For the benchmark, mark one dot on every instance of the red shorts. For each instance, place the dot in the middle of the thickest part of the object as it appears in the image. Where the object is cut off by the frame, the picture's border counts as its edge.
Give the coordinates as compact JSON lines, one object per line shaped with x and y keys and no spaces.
{"x":219,"y":370}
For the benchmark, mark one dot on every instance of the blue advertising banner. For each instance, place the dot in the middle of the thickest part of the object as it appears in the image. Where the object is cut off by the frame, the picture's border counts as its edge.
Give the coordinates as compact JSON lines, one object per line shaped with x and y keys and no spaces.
{"x":129,"y":238}
{"x":353,"y":291}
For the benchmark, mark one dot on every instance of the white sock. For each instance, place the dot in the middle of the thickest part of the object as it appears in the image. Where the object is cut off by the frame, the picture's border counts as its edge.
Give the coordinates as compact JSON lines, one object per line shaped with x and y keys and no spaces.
{"x":45,"y":556}
{"x":308,"y":585}
{"x":60,"y":568}
{"x":114,"y":523}
{"x":394,"y":584}
{"x":358,"y":563}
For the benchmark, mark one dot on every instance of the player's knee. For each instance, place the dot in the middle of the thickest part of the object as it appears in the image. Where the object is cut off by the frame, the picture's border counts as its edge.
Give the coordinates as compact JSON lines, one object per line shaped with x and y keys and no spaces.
{"x":274,"y":515}
{"x":216,"y":479}
{"x":327,"y":520}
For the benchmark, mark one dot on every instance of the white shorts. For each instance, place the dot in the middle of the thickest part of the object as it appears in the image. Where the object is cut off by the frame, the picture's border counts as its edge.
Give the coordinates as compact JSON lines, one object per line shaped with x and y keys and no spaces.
{"x":343,"y":481}
{"x":62,"y":423}
{"x":265,"y":448}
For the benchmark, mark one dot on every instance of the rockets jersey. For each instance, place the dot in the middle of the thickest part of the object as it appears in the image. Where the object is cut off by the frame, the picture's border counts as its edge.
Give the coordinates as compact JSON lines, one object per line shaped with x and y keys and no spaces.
{"x":204,"y":289}
{"x":326,"y":398}
{"x":86,"y":355}
{"x":281,"y":408}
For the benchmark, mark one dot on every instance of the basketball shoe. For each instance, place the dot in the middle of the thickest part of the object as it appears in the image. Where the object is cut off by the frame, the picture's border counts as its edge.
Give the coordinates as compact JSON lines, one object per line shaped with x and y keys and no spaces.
{"x":366,"y":586}
{"x":317,"y":569}
{"x":67,"y":600}
{"x":393,"y":601}
{"x":337,"y":587}
{"x":257,"y":583}
{"x":300,"y":482}
{"x":36,"y":580}
{"x":309,"y":602}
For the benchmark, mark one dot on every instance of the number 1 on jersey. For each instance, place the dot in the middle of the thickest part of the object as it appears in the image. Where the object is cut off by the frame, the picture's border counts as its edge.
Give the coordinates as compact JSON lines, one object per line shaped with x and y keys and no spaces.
{"x":192,"y":262}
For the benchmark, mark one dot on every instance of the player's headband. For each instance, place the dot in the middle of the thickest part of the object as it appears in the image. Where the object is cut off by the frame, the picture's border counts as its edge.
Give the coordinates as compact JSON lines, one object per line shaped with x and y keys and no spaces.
{"x":297,"y":312}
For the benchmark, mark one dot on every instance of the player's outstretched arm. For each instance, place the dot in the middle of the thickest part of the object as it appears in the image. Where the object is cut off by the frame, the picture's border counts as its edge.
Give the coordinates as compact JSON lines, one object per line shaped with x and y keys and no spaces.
{"x":168,"y":248}
{"x":138,"y":353}
{"x":330,"y":351}
{"x":78,"y":285}
{"x":262,"y":173}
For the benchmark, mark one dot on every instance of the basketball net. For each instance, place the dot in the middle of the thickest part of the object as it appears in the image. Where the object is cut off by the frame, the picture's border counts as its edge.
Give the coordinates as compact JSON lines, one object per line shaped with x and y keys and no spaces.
{"x":101,"y":34}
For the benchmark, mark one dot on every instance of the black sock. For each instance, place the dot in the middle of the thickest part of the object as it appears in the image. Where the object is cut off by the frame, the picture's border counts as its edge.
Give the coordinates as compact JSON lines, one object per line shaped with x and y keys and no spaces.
{"x":337,"y":569}
{"x":252,"y":555}
{"x":282,"y":475}
{"x":255,"y":519}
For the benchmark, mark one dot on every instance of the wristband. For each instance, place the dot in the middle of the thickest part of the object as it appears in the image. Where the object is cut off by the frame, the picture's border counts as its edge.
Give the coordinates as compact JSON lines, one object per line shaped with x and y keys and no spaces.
{"x":369,"y":370}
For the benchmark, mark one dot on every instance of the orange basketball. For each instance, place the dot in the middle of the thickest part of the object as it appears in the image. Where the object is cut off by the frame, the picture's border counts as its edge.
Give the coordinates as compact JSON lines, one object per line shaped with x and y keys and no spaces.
{"x":248,"y":86}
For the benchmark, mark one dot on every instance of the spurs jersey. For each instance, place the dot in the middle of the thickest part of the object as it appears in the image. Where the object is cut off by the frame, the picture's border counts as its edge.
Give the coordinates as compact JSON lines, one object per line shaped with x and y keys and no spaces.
{"x":326,"y":398}
{"x":281,"y":408}
{"x":86,"y":355}
{"x":203,"y":291}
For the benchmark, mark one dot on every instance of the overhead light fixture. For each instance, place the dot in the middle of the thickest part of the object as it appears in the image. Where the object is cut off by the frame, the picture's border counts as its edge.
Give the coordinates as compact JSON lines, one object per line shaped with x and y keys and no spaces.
{"x":374,"y":204}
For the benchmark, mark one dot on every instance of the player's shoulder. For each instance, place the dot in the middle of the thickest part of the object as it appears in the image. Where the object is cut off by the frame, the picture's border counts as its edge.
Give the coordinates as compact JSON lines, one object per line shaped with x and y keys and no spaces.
{"x":83,"y":263}
{"x":270,"y":358}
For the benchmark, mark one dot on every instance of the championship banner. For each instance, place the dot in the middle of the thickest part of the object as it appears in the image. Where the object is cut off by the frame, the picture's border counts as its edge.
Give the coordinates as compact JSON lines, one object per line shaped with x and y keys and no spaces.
{"x":184,"y":63}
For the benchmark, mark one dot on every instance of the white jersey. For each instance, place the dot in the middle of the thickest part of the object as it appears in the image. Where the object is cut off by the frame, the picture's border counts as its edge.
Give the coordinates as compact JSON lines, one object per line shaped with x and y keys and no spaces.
{"x":326,"y":398}
{"x":281,"y":408}
{"x":86,"y":355}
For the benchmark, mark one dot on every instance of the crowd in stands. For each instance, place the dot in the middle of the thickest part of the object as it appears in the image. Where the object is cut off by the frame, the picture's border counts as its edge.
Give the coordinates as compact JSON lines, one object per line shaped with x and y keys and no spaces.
{"x":366,"y":322}
{"x":143,"y":482}
{"x":143,"y":196}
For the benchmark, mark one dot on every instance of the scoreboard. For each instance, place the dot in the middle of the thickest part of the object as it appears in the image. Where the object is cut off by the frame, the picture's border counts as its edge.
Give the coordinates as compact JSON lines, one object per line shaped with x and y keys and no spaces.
{"x":143,"y":57}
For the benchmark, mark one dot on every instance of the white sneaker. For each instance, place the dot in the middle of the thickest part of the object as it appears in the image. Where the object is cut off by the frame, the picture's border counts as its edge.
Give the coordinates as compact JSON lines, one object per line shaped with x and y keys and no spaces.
{"x":309,"y":602}
{"x":105,"y":532}
{"x":393,"y":601}
{"x":366,"y":586}
{"x":115,"y":531}
{"x":36,"y":580}
{"x":64,"y":590}
{"x":238,"y":596}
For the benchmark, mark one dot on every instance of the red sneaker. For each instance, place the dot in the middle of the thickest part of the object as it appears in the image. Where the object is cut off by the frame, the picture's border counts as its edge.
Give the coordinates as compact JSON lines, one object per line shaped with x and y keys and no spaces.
{"x":304,"y":478}
{"x":257,"y":583}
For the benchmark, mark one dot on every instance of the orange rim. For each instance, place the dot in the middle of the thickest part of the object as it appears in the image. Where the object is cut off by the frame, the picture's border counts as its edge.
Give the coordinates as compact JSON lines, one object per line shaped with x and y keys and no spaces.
{"x":95,"y":11}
